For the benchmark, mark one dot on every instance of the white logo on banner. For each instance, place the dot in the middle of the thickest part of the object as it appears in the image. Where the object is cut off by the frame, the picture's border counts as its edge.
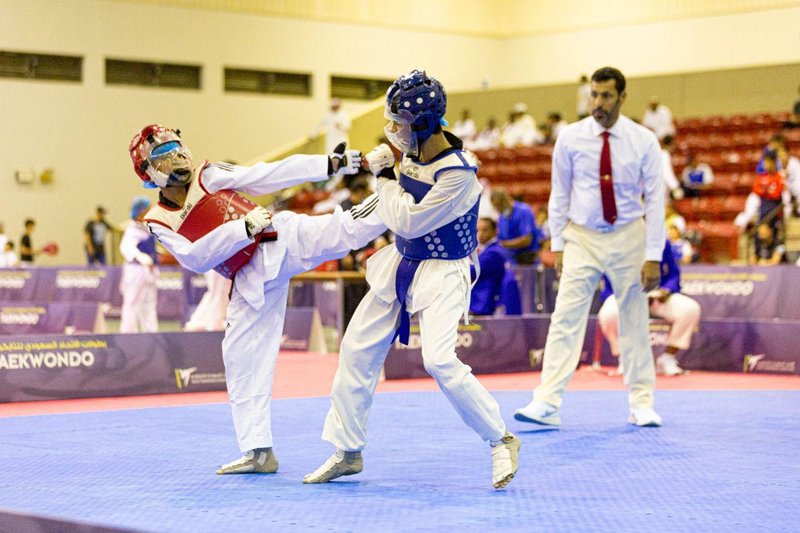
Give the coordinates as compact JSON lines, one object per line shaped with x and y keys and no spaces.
{"x":19,"y":361}
{"x":751,"y":361}
{"x":79,"y":280}
{"x":21,"y":317}
{"x":170,"y":282}
{"x":13,"y":280}
{"x":184,"y":375}
{"x":717,"y":288}
{"x":190,"y":376}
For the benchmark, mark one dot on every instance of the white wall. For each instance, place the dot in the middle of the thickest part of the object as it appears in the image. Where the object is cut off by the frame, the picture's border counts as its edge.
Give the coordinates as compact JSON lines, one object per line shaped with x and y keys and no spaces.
{"x":82,"y":130}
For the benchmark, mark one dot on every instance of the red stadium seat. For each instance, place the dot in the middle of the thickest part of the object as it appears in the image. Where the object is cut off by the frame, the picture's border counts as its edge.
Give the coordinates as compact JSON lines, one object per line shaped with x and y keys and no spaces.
{"x":723,"y":185}
{"x":720,"y":241}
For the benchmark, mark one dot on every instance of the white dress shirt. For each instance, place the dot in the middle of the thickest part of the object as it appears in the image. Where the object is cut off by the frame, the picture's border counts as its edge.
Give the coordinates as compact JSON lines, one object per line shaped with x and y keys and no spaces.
{"x":636,"y":169}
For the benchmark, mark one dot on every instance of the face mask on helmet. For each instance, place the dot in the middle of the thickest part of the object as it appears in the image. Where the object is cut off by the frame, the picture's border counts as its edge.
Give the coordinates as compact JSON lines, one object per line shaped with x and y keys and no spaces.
{"x":415,"y":105}
{"x":170,"y":164}
{"x":160,"y":159}
{"x":399,"y":132}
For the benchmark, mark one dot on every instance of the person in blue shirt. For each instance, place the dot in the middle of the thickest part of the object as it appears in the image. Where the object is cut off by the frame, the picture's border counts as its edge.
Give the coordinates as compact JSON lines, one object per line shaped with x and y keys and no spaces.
{"x":666,"y":302}
{"x":489,"y":291}
{"x":516,"y":229}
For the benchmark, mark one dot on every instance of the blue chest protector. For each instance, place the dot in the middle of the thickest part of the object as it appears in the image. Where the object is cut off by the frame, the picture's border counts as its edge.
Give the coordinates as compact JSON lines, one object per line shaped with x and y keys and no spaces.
{"x":455,"y":240}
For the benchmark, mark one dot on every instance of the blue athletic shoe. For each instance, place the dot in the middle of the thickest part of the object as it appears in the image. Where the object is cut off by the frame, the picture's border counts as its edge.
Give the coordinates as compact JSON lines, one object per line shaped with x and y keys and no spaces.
{"x":538,"y":412}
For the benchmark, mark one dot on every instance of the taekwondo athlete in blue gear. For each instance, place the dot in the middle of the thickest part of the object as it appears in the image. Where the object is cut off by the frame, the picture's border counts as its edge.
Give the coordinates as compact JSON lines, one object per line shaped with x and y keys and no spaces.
{"x":139,"y":273}
{"x":432,"y":209}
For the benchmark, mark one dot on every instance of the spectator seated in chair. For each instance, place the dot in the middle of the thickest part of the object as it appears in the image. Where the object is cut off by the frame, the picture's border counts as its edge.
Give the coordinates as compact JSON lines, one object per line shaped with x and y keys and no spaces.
{"x":495,"y":284}
{"x":667,"y":303}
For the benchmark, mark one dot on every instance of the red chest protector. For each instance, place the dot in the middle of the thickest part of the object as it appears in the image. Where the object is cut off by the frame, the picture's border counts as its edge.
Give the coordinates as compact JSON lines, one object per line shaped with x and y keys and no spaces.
{"x":769,"y":186}
{"x":204,"y":211}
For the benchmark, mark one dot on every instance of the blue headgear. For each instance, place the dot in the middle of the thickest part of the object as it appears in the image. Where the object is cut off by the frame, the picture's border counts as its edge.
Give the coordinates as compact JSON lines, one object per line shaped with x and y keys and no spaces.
{"x":140,"y":203}
{"x":420,"y":102}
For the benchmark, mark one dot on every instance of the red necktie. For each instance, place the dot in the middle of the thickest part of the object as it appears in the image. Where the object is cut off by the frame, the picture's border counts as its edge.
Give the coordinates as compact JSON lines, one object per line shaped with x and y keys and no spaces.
{"x":607,"y":182}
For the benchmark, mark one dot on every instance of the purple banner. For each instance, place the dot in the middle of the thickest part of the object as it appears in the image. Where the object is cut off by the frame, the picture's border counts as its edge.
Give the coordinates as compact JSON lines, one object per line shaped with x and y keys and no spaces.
{"x":27,"y":285}
{"x":195,"y":286}
{"x":44,"y":367}
{"x":744,"y":292}
{"x":302,"y":330}
{"x":490,"y":345}
{"x":49,"y":367}
{"x":516,"y":344}
{"x":25,"y":318}
{"x":527,"y":278}
{"x":171,"y":294}
{"x":734,"y":292}
{"x":86,"y":284}
{"x":324,"y":295}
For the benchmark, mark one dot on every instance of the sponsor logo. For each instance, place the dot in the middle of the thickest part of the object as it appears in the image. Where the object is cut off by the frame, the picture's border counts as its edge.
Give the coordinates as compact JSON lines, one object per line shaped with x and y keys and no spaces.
{"x":13,"y":280}
{"x":759,"y":363}
{"x":21,"y":316}
{"x":198,"y":282}
{"x":536,"y":357}
{"x":170,"y":281}
{"x":184,"y":377}
{"x":718,"y":287}
{"x":186,"y":209}
{"x":57,"y":359}
{"x":79,"y":279}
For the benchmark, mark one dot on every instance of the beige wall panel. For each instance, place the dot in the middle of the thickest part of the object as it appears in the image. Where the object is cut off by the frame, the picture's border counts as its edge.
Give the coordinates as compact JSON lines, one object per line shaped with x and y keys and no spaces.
{"x":538,"y":17}
{"x":751,"y":39}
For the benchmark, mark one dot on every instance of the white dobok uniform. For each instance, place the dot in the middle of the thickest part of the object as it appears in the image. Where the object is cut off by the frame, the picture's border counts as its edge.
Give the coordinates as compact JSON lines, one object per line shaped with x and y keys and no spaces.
{"x":209,"y":315}
{"x":439,"y":294}
{"x":138,"y":283}
{"x":682,"y":312}
{"x":260,"y":289}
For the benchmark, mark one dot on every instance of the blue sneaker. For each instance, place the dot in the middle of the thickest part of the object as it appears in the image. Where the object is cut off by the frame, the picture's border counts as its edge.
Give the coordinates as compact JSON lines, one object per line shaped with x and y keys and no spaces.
{"x":539,"y":412}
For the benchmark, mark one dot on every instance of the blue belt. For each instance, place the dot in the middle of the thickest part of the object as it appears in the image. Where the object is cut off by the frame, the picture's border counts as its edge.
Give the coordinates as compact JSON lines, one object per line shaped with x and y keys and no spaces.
{"x":405,"y":276}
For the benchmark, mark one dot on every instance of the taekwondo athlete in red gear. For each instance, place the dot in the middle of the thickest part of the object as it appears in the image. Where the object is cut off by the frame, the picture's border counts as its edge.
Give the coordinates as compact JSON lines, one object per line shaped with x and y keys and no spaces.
{"x":205,"y":223}
{"x":433,"y":209}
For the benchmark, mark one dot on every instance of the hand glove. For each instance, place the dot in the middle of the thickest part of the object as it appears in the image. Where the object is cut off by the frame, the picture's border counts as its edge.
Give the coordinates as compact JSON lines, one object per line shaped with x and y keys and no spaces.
{"x":257,"y":220}
{"x":379,"y":158}
{"x":343,"y":161}
{"x":677,"y":194}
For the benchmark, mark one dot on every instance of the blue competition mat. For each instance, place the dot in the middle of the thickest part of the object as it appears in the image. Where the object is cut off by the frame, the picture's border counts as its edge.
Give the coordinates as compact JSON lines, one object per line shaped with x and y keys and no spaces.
{"x":723,"y":461}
